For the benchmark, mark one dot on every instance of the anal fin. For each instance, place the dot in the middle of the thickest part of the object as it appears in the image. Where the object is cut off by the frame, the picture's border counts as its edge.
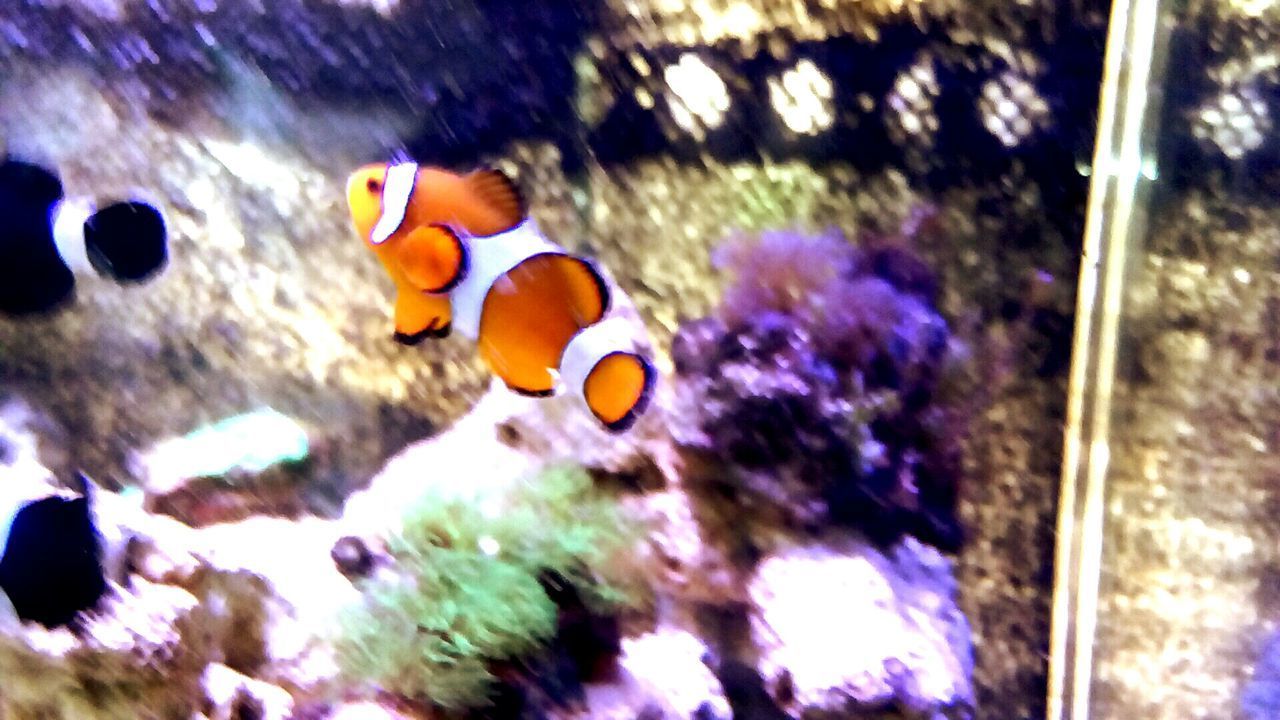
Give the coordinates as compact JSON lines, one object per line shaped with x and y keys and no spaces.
{"x":519,"y":368}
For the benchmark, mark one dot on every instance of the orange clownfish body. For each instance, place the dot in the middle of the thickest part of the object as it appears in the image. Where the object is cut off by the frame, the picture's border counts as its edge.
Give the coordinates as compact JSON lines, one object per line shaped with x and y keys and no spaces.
{"x":479,"y":203}
{"x":463,"y":254}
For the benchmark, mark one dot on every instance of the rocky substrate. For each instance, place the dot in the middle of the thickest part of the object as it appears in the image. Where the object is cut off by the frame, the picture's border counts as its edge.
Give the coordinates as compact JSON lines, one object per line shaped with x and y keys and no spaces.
{"x":232,"y":619}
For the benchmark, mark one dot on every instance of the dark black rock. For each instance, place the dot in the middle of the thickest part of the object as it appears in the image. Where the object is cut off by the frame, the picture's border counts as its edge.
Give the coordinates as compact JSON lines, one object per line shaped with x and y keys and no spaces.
{"x":353,"y":557}
{"x":745,"y":691}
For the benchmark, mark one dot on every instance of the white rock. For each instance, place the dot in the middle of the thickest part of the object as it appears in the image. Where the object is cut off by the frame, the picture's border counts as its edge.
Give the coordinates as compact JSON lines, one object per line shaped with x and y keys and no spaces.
{"x":9,"y":621}
{"x":472,"y":461}
{"x":300,"y":590}
{"x":467,"y":461}
{"x":668,"y":664}
{"x":249,"y":443}
{"x":234,"y":696}
{"x":662,"y":671}
{"x":261,"y":593}
{"x":851,"y":627}
{"x":19,"y":445}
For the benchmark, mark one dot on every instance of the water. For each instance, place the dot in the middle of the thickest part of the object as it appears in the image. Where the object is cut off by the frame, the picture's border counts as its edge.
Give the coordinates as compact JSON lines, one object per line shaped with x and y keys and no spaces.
{"x":846,"y":486}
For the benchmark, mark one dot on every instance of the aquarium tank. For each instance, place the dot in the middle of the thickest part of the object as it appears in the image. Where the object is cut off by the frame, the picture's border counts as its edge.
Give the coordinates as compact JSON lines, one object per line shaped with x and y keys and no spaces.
{"x":1167,"y":590}
{"x":638,"y":359}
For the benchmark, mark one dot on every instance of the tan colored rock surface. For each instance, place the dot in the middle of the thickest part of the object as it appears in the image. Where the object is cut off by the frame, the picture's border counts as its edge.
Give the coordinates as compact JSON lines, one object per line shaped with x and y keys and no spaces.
{"x":235,"y":696}
{"x":140,"y":657}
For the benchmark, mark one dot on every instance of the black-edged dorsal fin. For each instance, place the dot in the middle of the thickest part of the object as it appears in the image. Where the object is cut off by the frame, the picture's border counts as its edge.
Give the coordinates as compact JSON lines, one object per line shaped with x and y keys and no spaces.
{"x":495,"y":189}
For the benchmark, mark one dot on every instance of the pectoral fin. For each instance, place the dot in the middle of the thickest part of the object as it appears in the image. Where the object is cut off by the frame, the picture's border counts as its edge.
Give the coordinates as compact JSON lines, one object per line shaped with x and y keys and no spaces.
{"x":420,"y":316}
{"x":433,"y":258}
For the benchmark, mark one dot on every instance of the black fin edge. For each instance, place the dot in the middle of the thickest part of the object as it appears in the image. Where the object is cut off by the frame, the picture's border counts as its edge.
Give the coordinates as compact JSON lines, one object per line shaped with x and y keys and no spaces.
{"x":411,"y":339}
{"x":531,"y":393}
{"x":522,"y":206}
{"x":625,"y":422}
{"x":606,"y":297}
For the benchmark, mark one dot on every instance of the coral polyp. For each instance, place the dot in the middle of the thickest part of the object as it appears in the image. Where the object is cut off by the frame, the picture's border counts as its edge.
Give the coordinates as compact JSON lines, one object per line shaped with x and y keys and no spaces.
{"x":476,"y":588}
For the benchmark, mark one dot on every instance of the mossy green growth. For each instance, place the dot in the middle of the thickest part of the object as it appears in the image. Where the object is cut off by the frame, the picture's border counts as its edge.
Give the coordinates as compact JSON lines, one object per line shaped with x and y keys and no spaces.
{"x":467,"y":590}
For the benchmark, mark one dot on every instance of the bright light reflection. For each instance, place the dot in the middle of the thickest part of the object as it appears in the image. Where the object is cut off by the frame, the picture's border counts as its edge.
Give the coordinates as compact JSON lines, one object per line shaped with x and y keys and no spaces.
{"x":700,"y":97}
{"x":802,"y":98}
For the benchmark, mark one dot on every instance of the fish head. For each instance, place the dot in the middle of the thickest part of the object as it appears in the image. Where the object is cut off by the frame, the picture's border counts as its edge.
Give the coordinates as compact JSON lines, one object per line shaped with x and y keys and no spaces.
{"x":364,"y":197}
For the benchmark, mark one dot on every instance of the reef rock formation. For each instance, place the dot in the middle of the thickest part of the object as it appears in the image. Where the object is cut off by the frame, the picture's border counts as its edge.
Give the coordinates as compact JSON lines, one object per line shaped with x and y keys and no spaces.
{"x":245,"y":465}
{"x":195,"y":620}
{"x":692,"y":564}
{"x":145,"y":649}
{"x":234,"y":619}
{"x":224,"y":617}
{"x":661,"y":675}
{"x":843,"y":629}
{"x":366,"y":710}
{"x":234,"y":696}
{"x":815,"y":394}
{"x":839,"y":628}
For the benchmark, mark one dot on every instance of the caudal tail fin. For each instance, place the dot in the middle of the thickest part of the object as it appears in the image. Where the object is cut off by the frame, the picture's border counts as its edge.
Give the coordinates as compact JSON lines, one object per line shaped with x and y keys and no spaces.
{"x":602,"y":366}
{"x":618,"y":388}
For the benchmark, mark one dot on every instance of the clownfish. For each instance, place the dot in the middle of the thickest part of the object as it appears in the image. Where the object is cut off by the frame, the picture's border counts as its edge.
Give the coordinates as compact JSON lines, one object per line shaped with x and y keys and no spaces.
{"x":47,"y":239}
{"x":463,"y":253}
{"x":51,"y":566}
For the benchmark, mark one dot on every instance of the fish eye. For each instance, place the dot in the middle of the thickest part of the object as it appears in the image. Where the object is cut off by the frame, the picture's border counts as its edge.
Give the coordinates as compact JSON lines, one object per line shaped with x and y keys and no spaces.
{"x":373,"y":185}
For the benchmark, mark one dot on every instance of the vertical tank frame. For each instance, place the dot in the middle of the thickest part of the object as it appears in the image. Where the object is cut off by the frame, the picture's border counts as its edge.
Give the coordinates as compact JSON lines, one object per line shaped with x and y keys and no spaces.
{"x":1122,"y":173}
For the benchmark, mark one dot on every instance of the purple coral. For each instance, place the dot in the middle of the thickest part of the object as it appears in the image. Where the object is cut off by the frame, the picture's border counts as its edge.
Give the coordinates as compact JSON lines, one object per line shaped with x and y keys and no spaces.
{"x":1260,"y":697}
{"x":814,"y":390}
{"x":779,"y":272}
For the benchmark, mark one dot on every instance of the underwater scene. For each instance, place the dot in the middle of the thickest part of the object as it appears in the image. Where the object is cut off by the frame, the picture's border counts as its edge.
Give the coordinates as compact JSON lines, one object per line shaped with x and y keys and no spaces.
{"x":629,"y":359}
